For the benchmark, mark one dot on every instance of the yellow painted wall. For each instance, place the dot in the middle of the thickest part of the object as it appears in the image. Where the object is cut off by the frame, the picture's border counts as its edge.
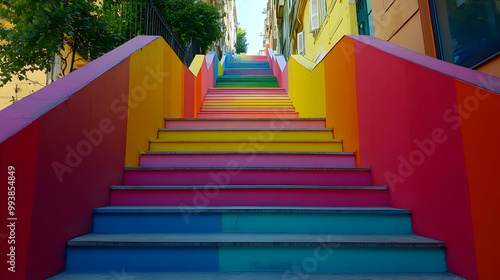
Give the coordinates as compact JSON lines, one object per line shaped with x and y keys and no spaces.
{"x":146,"y":101}
{"x":341,"y":20}
{"x":306,"y":87}
{"x":173,"y":84}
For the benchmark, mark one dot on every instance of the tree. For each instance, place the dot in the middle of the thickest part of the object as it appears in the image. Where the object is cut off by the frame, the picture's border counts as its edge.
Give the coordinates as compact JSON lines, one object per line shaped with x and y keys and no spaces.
{"x":41,"y":29}
{"x":241,"y":41}
{"x":193,"y":19}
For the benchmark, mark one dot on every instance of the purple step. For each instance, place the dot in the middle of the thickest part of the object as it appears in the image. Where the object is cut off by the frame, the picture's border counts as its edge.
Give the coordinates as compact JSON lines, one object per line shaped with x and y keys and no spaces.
{"x":244,"y":123}
{"x":245,"y":195}
{"x":265,"y":159}
{"x":231,"y":175}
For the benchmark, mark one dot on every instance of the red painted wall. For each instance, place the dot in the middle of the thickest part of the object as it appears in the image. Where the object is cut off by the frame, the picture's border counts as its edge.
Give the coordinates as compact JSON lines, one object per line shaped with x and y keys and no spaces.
{"x":19,"y":151}
{"x":190,"y":109}
{"x":87,"y":139}
{"x":67,"y":142}
{"x":413,"y":148}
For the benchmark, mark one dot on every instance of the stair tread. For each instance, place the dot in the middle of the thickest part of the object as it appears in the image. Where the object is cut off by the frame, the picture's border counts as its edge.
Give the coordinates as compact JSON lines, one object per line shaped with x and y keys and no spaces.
{"x":248,"y":129}
{"x":245,"y":141}
{"x":125,"y":187}
{"x":251,"y":168}
{"x":123,"y":274}
{"x":244,"y":119}
{"x":254,"y":239}
{"x":250,"y":209}
{"x":248,"y":153}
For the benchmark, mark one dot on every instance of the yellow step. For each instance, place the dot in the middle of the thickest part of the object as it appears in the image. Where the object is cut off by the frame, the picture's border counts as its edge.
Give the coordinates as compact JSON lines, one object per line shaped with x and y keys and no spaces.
{"x":243,"y":145}
{"x":259,"y":134}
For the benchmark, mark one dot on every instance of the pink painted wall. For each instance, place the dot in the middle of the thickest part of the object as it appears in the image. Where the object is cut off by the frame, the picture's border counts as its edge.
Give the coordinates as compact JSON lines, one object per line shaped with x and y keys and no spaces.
{"x":412,"y":149}
{"x":427,"y":129}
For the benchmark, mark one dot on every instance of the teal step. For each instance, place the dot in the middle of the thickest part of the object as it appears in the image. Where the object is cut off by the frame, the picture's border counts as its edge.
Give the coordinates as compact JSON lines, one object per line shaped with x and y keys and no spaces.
{"x":174,"y":219}
{"x":123,"y":274}
{"x":239,"y":252}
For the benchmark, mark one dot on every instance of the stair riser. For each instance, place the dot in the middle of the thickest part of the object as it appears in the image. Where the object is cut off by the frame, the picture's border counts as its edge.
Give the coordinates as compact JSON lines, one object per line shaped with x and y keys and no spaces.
{"x":246,"y":177}
{"x":247,"y":115}
{"x":200,"y":222}
{"x":247,"y":90}
{"x":248,"y":160}
{"x":237,"y":104}
{"x":243,"y":135}
{"x":275,"y":110}
{"x":270,"y":124}
{"x":249,"y":146}
{"x":283,"y":259}
{"x":251,"y":197}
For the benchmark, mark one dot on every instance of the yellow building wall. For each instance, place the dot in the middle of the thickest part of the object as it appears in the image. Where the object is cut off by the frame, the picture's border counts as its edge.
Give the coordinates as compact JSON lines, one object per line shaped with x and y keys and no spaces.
{"x":340,"y":20}
{"x":37,"y":80}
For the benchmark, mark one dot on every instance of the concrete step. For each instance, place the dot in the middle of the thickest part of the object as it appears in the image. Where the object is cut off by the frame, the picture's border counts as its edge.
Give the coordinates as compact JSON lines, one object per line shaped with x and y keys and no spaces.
{"x":257,"y":109}
{"x":261,"y":134}
{"x":269,"y":123}
{"x":238,"y":114}
{"x":250,"y":195}
{"x":246,"y":219}
{"x":238,"y":252}
{"x":248,"y":159}
{"x":231,"y":175}
{"x":123,"y":274}
{"x":246,"y":145}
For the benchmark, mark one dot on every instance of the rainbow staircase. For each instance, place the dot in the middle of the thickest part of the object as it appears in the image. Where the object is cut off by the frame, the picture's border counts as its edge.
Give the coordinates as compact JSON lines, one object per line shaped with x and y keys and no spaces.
{"x":251,"y":191}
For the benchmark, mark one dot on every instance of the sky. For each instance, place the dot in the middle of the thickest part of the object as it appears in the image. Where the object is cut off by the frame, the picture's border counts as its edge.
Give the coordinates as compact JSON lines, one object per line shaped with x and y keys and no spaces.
{"x":251,"y":19}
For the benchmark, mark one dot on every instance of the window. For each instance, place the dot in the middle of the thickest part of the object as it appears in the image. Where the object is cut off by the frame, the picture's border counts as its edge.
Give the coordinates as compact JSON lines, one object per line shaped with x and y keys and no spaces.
{"x":323,"y":10}
{"x":467,"y":32}
{"x":314,"y":15}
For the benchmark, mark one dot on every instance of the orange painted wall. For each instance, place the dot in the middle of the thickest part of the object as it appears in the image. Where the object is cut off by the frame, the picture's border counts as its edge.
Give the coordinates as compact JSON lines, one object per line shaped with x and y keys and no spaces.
{"x":481,"y":137}
{"x":491,"y":67}
{"x":146,"y":99}
{"x":173,"y":81}
{"x":341,"y":108}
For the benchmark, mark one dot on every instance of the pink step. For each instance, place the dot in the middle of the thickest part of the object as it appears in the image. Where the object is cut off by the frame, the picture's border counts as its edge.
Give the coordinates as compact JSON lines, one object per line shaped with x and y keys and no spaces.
{"x":200,"y":196}
{"x":264,"y":159}
{"x":247,"y":115}
{"x":172,"y":176}
{"x":244,"y":123}
{"x":249,"y":109}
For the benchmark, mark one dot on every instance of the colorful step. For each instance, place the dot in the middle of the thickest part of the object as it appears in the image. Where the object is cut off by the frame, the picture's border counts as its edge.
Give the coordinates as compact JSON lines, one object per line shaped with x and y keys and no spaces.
{"x":290,"y":274}
{"x":262,"y":134}
{"x":273,"y":123}
{"x":250,"y":195}
{"x":179,"y":219}
{"x":232,"y":175}
{"x":247,"y":159}
{"x":227,"y":252}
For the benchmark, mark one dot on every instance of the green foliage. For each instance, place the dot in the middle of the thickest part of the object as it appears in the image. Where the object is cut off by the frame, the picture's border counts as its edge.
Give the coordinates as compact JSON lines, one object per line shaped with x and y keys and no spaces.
{"x":40,"y":29}
{"x":193,"y":19}
{"x":241,"y":41}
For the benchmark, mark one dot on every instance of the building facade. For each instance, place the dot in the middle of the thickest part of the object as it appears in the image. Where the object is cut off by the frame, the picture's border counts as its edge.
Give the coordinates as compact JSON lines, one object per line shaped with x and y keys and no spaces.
{"x":229,"y":26}
{"x":463,"y":32}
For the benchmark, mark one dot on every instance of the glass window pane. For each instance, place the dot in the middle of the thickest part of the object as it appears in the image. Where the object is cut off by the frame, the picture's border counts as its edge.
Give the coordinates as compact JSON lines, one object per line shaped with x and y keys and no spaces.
{"x":468,"y":31}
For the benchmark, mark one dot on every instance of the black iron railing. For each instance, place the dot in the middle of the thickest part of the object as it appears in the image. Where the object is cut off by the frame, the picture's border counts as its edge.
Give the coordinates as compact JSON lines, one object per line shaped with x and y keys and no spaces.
{"x":142,"y":17}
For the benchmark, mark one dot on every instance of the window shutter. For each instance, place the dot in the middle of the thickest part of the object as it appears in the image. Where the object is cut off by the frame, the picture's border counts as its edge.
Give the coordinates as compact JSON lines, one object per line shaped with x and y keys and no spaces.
{"x":300,"y":43}
{"x":314,"y":14}
{"x":323,"y":10}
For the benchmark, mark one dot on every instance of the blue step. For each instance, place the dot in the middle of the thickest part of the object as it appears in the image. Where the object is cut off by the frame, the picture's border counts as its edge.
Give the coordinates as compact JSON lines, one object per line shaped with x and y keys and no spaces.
{"x":238,"y":252}
{"x":124,"y":274}
{"x":358,"y":220}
